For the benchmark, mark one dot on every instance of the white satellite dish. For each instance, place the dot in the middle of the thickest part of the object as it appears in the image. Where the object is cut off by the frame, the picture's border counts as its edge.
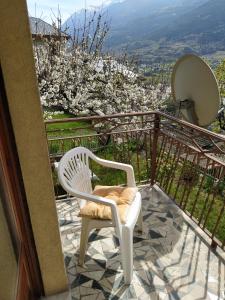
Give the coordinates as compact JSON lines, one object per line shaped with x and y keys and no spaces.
{"x":195,"y":90}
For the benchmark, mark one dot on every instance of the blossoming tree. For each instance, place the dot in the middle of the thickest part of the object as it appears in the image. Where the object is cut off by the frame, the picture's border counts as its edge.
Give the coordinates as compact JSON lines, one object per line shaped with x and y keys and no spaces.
{"x":77,"y":77}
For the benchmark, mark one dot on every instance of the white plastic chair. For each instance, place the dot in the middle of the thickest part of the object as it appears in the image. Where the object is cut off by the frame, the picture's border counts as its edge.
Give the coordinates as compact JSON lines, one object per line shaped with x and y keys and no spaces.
{"x":74,"y":176}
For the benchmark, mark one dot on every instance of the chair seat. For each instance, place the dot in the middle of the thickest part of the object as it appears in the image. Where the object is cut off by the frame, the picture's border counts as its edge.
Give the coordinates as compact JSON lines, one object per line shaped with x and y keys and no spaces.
{"x":132,"y":210}
{"x":123,"y":196}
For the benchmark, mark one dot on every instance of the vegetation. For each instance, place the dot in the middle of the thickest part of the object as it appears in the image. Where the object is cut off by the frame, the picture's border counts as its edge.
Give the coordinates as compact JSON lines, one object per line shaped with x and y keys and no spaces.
{"x":220,"y":75}
{"x":77,"y":77}
{"x":66,"y":129}
{"x":202,"y":196}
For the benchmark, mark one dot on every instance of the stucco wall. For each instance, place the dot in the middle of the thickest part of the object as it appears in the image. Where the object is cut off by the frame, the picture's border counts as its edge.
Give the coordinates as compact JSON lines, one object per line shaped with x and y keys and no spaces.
{"x":21,"y":87}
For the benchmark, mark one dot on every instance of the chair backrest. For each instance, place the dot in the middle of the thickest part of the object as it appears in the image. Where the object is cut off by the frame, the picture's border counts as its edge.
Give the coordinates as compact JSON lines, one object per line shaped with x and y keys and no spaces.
{"x":74,"y":171}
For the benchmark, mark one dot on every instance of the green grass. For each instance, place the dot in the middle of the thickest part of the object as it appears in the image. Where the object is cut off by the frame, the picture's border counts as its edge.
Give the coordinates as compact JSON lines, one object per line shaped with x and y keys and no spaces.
{"x":68,"y":128}
{"x":203,"y":209}
{"x":207,"y":197}
{"x":108,"y":176}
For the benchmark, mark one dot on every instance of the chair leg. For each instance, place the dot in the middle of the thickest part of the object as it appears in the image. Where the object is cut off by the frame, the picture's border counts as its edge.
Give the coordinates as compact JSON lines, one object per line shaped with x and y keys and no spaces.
{"x":127,"y":254}
{"x":140,"y":221}
{"x":85,"y":229}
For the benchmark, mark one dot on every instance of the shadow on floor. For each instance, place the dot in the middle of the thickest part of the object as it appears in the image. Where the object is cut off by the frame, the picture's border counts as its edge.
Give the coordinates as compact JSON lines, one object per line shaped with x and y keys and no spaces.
{"x":170,"y":260}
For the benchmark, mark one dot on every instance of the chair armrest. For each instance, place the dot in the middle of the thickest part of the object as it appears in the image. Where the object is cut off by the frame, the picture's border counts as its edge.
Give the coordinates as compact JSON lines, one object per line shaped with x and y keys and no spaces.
{"x":100,"y":200}
{"x":116,"y":165}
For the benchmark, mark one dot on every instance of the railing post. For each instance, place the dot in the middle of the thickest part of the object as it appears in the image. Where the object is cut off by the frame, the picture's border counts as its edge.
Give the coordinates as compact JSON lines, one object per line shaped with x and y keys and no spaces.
{"x":154,"y":148}
{"x":213,"y":245}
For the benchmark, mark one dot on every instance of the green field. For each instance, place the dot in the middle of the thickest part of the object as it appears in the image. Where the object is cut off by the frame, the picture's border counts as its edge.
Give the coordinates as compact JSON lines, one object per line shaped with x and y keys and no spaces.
{"x":67,"y":128}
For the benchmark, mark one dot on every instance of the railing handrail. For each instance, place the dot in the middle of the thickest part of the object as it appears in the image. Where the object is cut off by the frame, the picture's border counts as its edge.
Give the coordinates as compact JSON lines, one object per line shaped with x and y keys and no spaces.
{"x":105,"y":117}
{"x":138,"y":114}
{"x":192,"y":126}
{"x":98,"y":134}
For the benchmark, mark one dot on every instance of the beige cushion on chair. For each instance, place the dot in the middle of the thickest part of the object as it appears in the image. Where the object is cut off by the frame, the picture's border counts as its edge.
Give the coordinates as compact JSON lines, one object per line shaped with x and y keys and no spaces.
{"x":123,"y":196}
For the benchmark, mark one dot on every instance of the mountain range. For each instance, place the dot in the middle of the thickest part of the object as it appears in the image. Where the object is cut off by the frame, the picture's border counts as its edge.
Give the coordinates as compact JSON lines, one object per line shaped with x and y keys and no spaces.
{"x":162,"y":30}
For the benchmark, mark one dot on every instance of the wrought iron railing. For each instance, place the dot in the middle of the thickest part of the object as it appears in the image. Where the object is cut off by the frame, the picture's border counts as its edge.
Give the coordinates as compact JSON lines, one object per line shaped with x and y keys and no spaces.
{"x":186,"y":161}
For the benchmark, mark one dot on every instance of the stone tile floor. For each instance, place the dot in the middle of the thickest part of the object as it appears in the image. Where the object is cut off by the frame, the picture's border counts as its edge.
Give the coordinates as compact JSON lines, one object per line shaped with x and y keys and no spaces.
{"x":171,"y":259}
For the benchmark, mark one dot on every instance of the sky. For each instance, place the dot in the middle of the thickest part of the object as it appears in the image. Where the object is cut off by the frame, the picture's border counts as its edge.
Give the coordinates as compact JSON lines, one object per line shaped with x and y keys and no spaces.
{"x":45,"y":9}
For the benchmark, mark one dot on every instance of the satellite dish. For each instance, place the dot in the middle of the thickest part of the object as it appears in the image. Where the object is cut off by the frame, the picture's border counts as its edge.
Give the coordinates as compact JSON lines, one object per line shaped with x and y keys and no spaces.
{"x":195,"y":90}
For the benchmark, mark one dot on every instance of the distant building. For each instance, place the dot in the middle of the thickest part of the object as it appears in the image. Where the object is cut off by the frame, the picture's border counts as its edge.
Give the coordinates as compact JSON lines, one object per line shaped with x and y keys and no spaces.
{"x":41,"y":30}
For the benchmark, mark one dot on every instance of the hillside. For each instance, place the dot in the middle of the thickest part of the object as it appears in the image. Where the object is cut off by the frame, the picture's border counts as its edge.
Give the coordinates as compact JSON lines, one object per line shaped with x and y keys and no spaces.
{"x":137,"y":20}
{"x":162,"y":30}
{"x":202,"y":29}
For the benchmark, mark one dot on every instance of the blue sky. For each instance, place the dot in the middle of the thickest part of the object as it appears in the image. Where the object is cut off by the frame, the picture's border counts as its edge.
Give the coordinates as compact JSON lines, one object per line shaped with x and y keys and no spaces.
{"x":44,"y":8}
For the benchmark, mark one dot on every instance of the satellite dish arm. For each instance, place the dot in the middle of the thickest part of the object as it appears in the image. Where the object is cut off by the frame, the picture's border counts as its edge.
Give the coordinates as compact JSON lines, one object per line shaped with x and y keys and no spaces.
{"x":189,"y":106}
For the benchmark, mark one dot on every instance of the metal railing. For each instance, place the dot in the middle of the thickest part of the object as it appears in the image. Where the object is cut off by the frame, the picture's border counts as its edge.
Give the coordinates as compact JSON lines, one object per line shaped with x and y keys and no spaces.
{"x":186,"y":161}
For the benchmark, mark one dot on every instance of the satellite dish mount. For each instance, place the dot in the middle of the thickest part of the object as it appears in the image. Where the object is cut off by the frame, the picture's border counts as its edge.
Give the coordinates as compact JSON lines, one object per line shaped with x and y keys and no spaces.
{"x":195,"y":90}
{"x":189,"y":106}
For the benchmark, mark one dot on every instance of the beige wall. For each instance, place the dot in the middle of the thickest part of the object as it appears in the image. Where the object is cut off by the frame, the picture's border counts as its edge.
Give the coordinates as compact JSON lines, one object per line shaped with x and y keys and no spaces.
{"x":21,"y":87}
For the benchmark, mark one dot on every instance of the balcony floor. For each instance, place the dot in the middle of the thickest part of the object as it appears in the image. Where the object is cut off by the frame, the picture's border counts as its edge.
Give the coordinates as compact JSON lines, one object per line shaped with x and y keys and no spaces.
{"x":171,"y":259}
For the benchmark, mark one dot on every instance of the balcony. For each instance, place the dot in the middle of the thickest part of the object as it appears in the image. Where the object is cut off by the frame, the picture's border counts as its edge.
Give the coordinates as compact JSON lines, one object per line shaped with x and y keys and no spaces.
{"x":180,"y":170}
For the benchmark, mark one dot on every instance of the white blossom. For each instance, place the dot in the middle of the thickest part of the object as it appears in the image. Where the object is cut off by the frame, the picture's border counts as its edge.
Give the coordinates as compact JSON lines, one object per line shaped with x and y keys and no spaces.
{"x":83,"y":84}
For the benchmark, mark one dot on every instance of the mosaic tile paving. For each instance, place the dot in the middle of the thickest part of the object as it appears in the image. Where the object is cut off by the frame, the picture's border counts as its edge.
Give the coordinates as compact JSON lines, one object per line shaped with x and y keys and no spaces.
{"x":171,"y":261}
